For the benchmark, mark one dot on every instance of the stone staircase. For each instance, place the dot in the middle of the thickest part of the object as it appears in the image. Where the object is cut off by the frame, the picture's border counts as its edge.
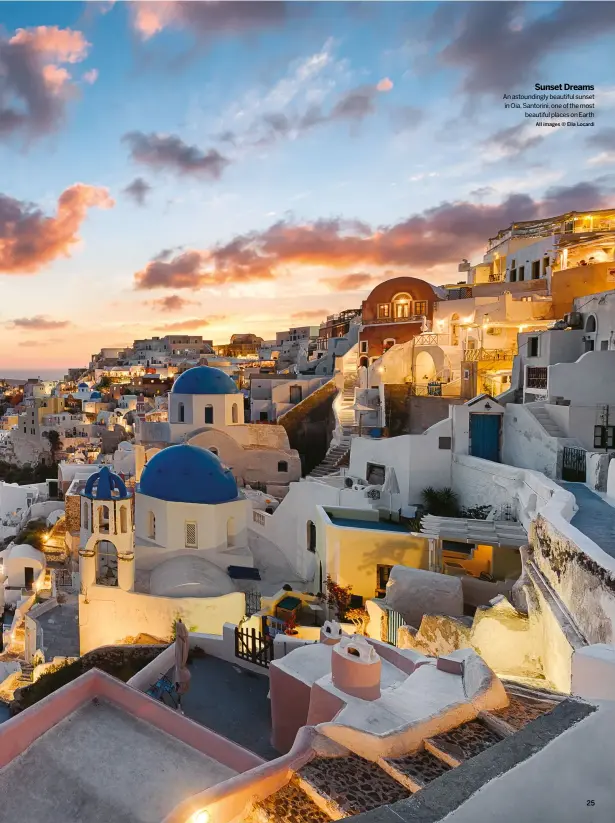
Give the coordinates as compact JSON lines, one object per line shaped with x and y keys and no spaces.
{"x":338,"y":454}
{"x":330,"y":788}
{"x":546,"y":421}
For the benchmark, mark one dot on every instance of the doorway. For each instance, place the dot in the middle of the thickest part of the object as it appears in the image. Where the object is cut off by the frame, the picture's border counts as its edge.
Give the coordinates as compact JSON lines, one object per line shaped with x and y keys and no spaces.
{"x":485,"y":436}
{"x":28,"y":574}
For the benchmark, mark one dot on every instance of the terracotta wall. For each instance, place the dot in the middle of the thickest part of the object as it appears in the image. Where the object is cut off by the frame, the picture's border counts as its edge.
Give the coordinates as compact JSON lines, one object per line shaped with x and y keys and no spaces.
{"x":577,"y":282}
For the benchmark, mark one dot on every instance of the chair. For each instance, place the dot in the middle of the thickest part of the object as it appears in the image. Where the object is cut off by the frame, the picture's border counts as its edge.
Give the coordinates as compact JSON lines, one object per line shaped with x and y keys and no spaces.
{"x":165,"y":691}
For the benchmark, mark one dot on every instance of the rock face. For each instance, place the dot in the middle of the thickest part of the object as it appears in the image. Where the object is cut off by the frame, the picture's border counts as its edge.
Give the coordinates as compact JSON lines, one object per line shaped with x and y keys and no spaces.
{"x":415,"y":592}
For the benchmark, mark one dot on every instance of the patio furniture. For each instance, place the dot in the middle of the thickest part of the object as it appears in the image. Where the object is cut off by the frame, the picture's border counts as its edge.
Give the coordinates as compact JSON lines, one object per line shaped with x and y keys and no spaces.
{"x":165,"y":691}
{"x":287,"y":608}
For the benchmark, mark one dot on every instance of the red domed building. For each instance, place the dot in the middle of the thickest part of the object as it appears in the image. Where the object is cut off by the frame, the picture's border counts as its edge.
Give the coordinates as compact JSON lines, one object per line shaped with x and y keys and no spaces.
{"x":394,"y":312}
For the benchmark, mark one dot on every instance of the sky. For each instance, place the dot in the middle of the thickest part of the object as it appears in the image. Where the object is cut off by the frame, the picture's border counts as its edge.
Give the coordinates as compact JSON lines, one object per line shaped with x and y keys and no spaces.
{"x":233,"y":167}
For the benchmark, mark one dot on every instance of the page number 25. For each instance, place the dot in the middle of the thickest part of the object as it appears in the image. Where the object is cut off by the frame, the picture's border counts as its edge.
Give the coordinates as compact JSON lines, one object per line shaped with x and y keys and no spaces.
{"x":590,"y":802}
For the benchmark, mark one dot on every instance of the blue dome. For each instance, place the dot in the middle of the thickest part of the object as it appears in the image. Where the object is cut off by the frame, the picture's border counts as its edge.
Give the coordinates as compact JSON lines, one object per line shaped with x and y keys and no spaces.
{"x":105,"y":485}
{"x":188,"y":474}
{"x":204,"y":380}
{"x":96,"y":395}
{"x":83,"y":386}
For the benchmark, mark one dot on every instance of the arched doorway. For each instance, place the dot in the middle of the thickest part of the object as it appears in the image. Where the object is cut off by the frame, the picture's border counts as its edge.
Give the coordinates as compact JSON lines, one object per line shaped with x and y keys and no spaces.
{"x":425,"y":368}
{"x":106,"y":563}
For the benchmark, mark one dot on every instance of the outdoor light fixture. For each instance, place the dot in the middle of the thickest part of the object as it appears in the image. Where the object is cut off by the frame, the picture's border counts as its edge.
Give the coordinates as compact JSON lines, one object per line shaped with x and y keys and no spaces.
{"x":201,"y":817}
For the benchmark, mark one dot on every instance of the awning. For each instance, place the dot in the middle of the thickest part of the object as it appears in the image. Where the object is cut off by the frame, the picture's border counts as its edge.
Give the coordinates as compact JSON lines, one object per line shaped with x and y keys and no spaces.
{"x":464,"y":530}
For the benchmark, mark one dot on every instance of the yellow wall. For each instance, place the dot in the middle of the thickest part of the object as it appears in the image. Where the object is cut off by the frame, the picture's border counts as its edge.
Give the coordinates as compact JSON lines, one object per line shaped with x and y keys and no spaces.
{"x":352,"y":555}
{"x":480,"y":562}
{"x":578,"y":282}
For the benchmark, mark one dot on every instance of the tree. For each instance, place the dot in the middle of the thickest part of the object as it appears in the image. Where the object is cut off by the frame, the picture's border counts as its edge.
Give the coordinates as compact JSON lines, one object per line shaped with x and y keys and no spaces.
{"x":440,"y":502}
{"x":55,"y":443}
{"x":104,"y":382}
{"x":338,"y":597}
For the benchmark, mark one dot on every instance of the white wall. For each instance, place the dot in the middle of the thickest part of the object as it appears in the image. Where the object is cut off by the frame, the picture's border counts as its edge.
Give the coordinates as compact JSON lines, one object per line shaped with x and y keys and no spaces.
{"x":107,"y":615}
{"x":526,"y":444}
{"x":211,"y":520}
{"x":583,"y":382}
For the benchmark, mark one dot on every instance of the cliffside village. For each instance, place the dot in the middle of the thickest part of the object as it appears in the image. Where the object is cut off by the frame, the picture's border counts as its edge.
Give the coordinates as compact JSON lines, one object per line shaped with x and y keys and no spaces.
{"x":366,"y":568}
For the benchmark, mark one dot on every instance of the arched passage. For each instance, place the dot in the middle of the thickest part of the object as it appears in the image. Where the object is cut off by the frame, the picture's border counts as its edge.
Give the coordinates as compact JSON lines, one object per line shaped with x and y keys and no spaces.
{"x":106,"y":563}
{"x":425,"y":368}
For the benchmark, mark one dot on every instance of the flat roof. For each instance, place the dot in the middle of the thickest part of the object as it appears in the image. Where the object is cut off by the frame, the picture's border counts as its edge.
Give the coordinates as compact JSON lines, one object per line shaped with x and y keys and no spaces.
{"x":102,"y":764}
{"x":464,"y":530}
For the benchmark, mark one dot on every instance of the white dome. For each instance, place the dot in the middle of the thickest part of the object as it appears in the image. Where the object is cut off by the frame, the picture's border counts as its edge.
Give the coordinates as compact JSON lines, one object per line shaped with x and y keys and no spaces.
{"x":189,"y":576}
{"x":27,"y":552}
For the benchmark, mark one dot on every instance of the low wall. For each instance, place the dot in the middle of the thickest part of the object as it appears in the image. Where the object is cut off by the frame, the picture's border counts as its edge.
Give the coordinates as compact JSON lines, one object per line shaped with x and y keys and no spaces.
{"x":109,"y":615}
{"x":150,"y":674}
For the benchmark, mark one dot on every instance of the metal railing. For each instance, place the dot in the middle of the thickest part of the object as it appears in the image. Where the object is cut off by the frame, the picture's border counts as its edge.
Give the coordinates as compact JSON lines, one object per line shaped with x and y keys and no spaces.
{"x":474,"y":355}
{"x":412,"y":318}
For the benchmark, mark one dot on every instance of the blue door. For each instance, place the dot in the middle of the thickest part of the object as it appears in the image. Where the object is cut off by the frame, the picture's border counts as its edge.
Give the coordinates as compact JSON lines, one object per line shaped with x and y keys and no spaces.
{"x":485,"y":436}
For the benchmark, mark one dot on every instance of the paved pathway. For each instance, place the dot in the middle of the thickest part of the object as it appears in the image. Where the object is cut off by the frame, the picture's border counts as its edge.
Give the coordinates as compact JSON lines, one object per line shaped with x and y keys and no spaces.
{"x":595,"y":518}
{"x":232,"y":703}
{"x":61,"y":630}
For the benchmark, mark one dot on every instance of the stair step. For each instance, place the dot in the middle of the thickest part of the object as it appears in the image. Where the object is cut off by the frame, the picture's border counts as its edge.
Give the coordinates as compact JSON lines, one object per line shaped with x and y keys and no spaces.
{"x":460,"y":744}
{"x":416,"y":770}
{"x":344,"y":786}
{"x":288,"y":805}
{"x":522,"y":710}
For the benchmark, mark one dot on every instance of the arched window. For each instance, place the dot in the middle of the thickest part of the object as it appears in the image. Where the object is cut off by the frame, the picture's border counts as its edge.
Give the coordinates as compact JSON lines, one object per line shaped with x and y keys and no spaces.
{"x":213,"y":450}
{"x":364,"y":362}
{"x":103,"y":519}
{"x":180,"y":413}
{"x":151,"y":526}
{"x":311,"y":536}
{"x":235,"y":413}
{"x":401,"y":306}
{"x":282,"y":466}
{"x":230,"y":532}
{"x":86,"y":515}
{"x":590,"y":325}
{"x":124,"y":520}
{"x":388,"y":343}
{"x":106,"y":563}
{"x":209,"y":414}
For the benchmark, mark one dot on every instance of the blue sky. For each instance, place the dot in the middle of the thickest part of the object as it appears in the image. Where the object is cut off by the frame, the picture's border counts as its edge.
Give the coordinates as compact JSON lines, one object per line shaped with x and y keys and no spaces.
{"x":366,"y":139}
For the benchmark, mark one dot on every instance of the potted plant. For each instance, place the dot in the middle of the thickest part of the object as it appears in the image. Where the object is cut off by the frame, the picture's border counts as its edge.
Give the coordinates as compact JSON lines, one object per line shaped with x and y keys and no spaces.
{"x":290,"y":627}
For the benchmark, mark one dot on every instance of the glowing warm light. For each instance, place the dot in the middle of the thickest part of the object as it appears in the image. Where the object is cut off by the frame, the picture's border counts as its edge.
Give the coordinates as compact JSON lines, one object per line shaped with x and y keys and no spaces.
{"x":381,"y":370}
{"x":201,"y":817}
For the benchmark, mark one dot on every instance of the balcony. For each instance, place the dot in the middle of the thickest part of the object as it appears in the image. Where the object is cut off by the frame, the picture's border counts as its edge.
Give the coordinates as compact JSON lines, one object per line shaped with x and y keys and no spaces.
{"x":412,"y":318}
{"x":494,"y":355}
{"x":536,"y":377}
{"x":431,"y":339}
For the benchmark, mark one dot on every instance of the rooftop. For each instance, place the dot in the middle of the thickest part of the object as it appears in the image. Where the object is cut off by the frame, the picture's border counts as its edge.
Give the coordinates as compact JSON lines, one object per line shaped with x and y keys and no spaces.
{"x":102,"y":759}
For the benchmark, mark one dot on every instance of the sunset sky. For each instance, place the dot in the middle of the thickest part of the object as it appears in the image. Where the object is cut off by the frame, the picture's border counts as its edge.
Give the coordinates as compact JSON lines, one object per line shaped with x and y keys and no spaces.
{"x":246,"y":166}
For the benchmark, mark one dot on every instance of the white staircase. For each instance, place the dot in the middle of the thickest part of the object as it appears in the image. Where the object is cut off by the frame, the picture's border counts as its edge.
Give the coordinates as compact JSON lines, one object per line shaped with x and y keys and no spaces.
{"x":546,"y":421}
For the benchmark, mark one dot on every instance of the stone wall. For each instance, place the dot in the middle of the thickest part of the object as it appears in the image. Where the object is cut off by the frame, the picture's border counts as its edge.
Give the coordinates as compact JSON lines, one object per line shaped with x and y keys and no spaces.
{"x":406,"y":414}
{"x":309,"y":426}
{"x":585,"y":586}
{"x":73,"y":512}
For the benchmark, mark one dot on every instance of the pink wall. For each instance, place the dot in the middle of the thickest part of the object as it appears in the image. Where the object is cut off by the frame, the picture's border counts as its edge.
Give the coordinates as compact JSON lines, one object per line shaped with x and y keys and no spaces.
{"x":290,"y":704}
{"x":323,"y":706}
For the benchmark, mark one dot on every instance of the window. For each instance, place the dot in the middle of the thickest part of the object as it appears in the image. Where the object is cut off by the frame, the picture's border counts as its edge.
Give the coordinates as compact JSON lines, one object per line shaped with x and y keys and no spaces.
{"x":420,"y":307}
{"x":535,"y":269}
{"x":209,"y":414}
{"x":384,"y":310}
{"x":86,"y":516}
{"x":363,"y":346}
{"x":296,"y":394}
{"x":180,"y":413}
{"x":546,"y":262}
{"x":103,"y":519}
{"x":235,"y":413}
{"x":190,"y":529}
{"x":604,"y":437}
{"x":604,"y":345}
{"x":388,"y":343}
{"x":590,"y":325}
{"x":445,"y":442}
{"x":375,"y":474}
{"x":311,"y":536}
{"x":213,"y":450}
{"x":532,"y":347}
{"x":466,"y":374}
{"x":123,"y":520}
{"x":513,"y":264}
{"x":401,"y":306}
{"x":382,"y":576}
{"x":151,"y":526}
{"x":521,"y":272}
{"x":364,"y":362}
{"x":106,"y":565}
{"x":263,"y":417}
{"x":282,"y":466}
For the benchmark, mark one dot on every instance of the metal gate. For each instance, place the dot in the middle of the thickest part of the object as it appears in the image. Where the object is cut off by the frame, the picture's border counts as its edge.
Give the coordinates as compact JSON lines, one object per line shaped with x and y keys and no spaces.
{"x":394,"y":621}
{"x":573,"y":465}
{"x":253,"y":647}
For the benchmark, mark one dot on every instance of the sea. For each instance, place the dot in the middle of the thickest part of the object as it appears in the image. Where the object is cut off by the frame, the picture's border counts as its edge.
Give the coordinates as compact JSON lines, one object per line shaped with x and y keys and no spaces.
{"x":56,"y":373}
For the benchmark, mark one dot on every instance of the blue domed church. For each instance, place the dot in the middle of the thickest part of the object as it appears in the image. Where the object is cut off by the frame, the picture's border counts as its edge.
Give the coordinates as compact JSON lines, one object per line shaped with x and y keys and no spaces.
{"x":203,"y":396}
